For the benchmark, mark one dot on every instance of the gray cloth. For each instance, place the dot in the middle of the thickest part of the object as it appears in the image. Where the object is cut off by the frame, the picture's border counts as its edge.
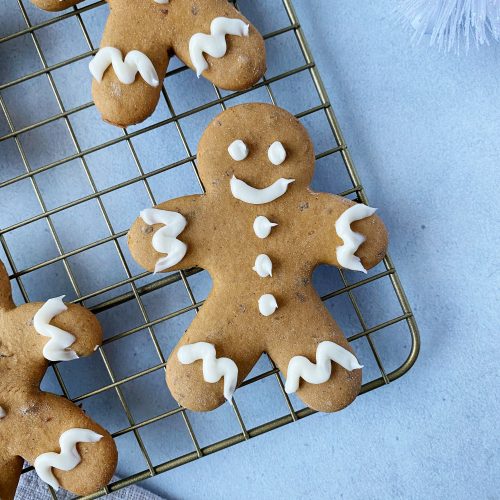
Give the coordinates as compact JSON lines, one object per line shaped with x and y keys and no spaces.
{"x":31,"y":487}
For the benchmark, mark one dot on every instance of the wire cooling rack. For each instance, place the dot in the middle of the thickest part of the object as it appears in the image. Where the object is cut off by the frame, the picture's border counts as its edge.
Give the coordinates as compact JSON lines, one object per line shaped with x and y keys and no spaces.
{"x":61,"y":168}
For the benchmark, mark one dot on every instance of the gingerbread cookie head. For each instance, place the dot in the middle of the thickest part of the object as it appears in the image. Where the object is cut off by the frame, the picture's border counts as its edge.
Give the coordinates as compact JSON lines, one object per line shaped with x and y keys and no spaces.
{"x":256,"y":147}
{"x":209,"y":36}
{"x":66,"y":448}
{"x":260,"y":231}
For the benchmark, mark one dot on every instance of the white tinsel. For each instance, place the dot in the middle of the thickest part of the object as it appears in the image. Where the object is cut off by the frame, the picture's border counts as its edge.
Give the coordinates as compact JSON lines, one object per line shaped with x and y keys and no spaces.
{"x":453,"y":24}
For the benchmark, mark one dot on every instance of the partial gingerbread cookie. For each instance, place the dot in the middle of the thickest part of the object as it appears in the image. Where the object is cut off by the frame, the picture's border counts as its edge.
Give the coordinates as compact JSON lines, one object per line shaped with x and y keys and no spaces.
{"x":65,"y":446}
{"x":260,"y":231}
{"x":209,"y":36}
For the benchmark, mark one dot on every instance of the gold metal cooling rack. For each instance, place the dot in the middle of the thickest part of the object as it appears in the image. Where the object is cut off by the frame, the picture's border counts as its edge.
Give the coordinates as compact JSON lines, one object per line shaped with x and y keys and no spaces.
{"x":389,"y":338}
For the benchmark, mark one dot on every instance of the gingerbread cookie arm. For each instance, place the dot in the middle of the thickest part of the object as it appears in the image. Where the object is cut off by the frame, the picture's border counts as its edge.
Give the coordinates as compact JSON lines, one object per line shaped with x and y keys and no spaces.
{"x":212,"y":358}
{"x":349,"y":234}
{"x":55,"y":5}
{"x":130,"y":65}
{"x":171,"y":236}
{"x":10,"y":471}
{"x":311,"y":358}
{"x":218,"y":42}
{"x":46,"y":436}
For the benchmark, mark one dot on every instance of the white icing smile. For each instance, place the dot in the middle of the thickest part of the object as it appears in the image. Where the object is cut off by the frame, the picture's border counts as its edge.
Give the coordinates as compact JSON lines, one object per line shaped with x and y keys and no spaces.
{"x":326,"y":352}
{"x":125,"y":70}
{"x":165,"y":239}
{"x":352,"y":241}
{"x":215,"y":43}
{"x":248,"y":194}
{"x":213,"y":368}
{"x":69,"y":457}
{"x":56,"y":349}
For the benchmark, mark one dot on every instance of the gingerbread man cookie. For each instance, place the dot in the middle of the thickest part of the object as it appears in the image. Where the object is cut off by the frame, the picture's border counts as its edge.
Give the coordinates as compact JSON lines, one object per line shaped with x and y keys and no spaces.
{"x":65,"y":446}
{"x":260,"y":231}
{"x":209,"y":36}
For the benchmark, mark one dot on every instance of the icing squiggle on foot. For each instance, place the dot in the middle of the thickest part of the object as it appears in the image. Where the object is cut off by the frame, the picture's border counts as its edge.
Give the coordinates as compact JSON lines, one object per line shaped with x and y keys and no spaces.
{"x":69,"y":457}
{"x":56,"y":349}
{"x":213,"y":368}
{"x":165,"y":239}
{"x":352,"y":241}
{"x":326,"y":352}
{"x":214,"y":44}
{"x":125,"y":70}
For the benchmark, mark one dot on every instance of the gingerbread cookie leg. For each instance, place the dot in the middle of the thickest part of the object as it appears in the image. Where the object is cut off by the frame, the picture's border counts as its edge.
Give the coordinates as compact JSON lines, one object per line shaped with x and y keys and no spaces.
{"x":10,"y":470}
{"x":220,"y":44}
{"x":129,"y":67}
{"x":210,"y":360}
{"x":55,"y":5}
{"x":317,"y":361}
{"x":47,"y":435}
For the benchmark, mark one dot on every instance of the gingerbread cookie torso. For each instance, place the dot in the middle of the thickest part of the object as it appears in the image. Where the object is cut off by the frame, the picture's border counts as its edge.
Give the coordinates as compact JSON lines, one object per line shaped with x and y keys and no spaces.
{"x":209,"y":36}
{"x":260,"y":231}
{"x":66,"y":447}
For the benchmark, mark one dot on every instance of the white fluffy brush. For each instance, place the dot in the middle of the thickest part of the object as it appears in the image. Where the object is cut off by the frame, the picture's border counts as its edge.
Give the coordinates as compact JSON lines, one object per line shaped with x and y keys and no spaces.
{"x":453,"y":24}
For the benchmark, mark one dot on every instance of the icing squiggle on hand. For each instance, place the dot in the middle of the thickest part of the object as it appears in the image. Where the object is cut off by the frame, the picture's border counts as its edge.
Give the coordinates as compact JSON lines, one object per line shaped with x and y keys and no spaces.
{"x":352,"y":240}
{"x":243,"y":192}
{"x":165,"y":239}
{"x":326,"y":352}
{"x":69,"y":457}
{"x":125,"y":70}
{"x":56,"y":349}
{"x":213,"y":368}
{"x":215,"y":43}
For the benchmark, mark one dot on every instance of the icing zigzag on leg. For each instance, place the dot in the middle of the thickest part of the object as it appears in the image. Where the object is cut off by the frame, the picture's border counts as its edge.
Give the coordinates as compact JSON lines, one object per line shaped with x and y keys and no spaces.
{"x":214,"y":44}
{"x":213,"y":368}
{"x":69,"y":457}
{"x":326,"y":352}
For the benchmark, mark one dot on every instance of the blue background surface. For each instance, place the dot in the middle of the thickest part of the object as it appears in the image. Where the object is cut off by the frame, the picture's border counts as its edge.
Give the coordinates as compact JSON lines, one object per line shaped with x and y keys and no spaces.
{"x":423,"y":128}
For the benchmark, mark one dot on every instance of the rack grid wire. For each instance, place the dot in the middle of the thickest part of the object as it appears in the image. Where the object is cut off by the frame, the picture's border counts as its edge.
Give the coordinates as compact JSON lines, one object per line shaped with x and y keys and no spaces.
{"x":134,"y":287}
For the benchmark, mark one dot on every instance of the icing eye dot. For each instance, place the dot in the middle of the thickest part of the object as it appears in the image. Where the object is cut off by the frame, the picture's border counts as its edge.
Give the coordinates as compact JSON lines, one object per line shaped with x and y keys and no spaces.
{"x":276,"y":153}
{"x":238,"y":150}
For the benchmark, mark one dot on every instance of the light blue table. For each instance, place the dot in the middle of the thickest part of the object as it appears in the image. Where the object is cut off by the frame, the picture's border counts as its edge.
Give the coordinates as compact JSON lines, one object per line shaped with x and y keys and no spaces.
{"x":423,"y":128}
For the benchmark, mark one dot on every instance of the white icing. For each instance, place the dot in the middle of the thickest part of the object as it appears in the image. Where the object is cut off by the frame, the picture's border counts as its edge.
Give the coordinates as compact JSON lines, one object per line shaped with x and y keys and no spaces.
{"x":263,"y":266}
{"x":215,"y":43}
{"x":243,"y":192}
{"x":276,"y":153}
{"x":326,"y":352}
{"x":262,"y":226}
{"x":125,"y":70}
{"x":161,"y":1}
{"x":352,"y":240}
{"x":267,"y":304}
{"x":238,"y":150}
{"x":213,"y":368}
{"x":165,"y":239}
{"x":69,"y":457}
{"x":3,"y":413}
{"x":56,"y":349}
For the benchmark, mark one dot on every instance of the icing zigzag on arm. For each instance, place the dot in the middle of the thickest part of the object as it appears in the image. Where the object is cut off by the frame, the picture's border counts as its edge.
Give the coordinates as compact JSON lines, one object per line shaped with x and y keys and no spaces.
{"x":326,"y":352}
{"x":69,"y":457}
{"x":352,"y":241}
{"x":56,"y":349}
{"x":214,"y":44}
{"x":213,"y":368}
{"x":125,"y":70}
{"x":165,"y":239}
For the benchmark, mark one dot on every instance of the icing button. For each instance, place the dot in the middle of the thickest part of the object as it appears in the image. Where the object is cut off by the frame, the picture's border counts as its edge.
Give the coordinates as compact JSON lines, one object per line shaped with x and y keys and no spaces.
{"x":267,"y":304}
